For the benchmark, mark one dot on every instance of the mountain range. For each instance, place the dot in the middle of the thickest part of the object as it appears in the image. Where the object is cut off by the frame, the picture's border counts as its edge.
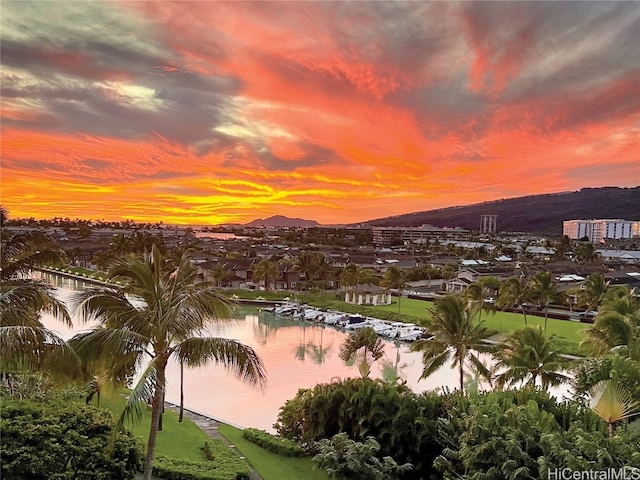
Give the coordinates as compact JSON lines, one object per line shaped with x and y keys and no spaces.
{"x":535,"y":213}
{"x":542,"y":214}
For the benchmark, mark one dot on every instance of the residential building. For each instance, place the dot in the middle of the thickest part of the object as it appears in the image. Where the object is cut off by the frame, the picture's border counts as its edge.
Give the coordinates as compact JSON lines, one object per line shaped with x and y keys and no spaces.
{"x":596,"y":230}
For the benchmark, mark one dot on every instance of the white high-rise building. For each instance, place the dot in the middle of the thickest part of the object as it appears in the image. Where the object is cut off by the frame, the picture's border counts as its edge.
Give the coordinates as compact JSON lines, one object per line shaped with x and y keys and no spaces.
{"x":598,"y":230}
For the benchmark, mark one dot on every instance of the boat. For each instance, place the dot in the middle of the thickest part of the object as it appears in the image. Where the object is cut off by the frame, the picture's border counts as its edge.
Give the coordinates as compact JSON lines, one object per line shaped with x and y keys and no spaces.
{"x":353,"y":321}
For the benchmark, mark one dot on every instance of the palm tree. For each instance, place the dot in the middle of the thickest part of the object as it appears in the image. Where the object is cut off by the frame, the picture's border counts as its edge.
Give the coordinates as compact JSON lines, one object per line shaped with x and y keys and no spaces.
{"x":593,"y":291}
{"x":586,"y":253}
{"x":528,"y":354}
{"x":367,"y":340}
{"x":220,"y":273}
{"x":306,"y":264}
{"x":612,"y":402}
{"x":25,"y":343}
{"x":515,"y":291}
{"x":354,"y":275}
{"x":156,"y":316}
{"x":455,"y":338}
{"x":563,"y":246}
{"x":617,"y":326}
{"x":475,"y":297}
{"x":545,"y":291}
{"x":266,"y":270}
{"x":394,"y":277}
{"x":324,"y":269}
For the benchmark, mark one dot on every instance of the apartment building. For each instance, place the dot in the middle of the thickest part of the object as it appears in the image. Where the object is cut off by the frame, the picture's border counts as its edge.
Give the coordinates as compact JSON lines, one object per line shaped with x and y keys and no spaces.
{"x":597,"y":230}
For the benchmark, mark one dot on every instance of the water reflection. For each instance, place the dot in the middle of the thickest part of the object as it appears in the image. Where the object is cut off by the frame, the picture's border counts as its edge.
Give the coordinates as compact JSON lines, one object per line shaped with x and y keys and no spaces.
{"x":296,"y":355}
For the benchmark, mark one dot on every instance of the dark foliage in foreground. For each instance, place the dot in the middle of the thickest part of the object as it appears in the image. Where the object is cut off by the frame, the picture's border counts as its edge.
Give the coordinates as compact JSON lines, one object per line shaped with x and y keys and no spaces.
{"x":502,"y":434}
{"x":56,"y":441}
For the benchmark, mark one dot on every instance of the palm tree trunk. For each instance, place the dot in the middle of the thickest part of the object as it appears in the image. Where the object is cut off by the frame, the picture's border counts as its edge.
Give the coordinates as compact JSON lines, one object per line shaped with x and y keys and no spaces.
{"x":181,"y":392}
{"x":156,"y":412}
{"x":546,"y":313}
{"x":461,"y":378}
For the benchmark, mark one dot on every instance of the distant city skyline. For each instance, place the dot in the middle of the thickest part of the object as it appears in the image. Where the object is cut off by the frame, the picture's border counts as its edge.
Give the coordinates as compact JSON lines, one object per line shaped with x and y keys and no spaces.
{"x":223,"y":112}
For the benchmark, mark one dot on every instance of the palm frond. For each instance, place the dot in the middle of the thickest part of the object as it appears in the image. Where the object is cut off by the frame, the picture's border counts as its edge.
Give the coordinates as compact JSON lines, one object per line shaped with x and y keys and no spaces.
{"x":241,"y":360}
{"x":433,"y":362}
{"x":22,"y":302}
{"x":611,"y":401}
{"x":140,"y":396}
{"x":29,"y":346}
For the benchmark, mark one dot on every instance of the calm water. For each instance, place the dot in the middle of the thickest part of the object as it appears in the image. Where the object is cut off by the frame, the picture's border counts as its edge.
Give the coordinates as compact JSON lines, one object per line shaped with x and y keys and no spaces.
{"x":296,"y":355}
{"x":217,"y":235}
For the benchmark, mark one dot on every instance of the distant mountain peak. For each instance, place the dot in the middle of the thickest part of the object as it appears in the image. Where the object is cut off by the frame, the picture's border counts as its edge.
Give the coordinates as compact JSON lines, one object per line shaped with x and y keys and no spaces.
{"x":281,"y":221}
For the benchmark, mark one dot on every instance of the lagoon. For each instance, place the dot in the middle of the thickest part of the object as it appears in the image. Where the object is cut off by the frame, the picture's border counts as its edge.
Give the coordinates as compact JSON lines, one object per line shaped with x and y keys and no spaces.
{"x":296,"y":354}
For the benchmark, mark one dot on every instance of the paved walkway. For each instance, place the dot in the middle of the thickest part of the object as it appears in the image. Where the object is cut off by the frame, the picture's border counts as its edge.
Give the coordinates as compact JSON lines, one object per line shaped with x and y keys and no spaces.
{"x":210,"y":426}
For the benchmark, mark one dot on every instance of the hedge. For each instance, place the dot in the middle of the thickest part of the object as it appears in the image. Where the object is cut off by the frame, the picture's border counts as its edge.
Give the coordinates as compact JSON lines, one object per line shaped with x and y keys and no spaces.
{"x":222,"y":464}
{"x":280,"y":446}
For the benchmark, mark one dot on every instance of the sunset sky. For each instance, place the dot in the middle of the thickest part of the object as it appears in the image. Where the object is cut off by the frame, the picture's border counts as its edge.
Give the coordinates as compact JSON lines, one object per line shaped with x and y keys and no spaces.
{"x":212,"y":112}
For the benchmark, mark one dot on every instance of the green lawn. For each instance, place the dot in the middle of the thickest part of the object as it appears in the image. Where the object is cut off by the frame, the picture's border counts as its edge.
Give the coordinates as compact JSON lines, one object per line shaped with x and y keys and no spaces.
{"x":185,"y":441}
{"x":177,"y":440}
{"x":567,"y":334}
{"x":269,"y":465}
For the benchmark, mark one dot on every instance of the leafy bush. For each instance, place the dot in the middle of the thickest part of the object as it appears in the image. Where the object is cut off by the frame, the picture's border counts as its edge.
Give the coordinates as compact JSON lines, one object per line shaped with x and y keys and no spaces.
{"x":525,"y":434}
{"x":403,"y":423}
{"x":55,"y":441}
{"x":281,"y":446}
{"x":344,"y":459}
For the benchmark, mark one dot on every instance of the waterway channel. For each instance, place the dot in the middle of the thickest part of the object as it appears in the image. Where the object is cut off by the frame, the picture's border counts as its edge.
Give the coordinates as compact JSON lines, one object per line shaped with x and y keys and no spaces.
{"x":296,"y":354}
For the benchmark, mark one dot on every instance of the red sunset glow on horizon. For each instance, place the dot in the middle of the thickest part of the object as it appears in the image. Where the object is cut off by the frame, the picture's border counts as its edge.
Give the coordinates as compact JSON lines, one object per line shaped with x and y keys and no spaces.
{"x":222,"y":112}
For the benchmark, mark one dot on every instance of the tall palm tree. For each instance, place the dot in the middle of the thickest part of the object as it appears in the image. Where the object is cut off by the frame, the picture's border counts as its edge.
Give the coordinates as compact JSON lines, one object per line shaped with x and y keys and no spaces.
{"x":515,"y":291}
{"x":545,"y":291}
{"x":528,"y":354}
{"x":265,"y":271}
{"x":617,"y":326}
{"x":366,"y":341}
{"x":156,"y":316}
{"x":394,"y":277}
{"x":455,"y":337}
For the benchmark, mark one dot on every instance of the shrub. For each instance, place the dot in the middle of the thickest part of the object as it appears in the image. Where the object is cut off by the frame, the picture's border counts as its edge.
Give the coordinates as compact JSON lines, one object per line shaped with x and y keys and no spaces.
{"x":281,"y":446}
{"x":224,"y":468}
{"x":56,"y":441}
{"x":403,"y":423}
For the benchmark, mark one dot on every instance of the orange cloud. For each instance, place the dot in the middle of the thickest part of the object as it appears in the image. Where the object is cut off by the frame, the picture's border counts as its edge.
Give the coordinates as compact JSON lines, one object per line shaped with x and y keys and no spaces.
{"x":201,"y":112}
